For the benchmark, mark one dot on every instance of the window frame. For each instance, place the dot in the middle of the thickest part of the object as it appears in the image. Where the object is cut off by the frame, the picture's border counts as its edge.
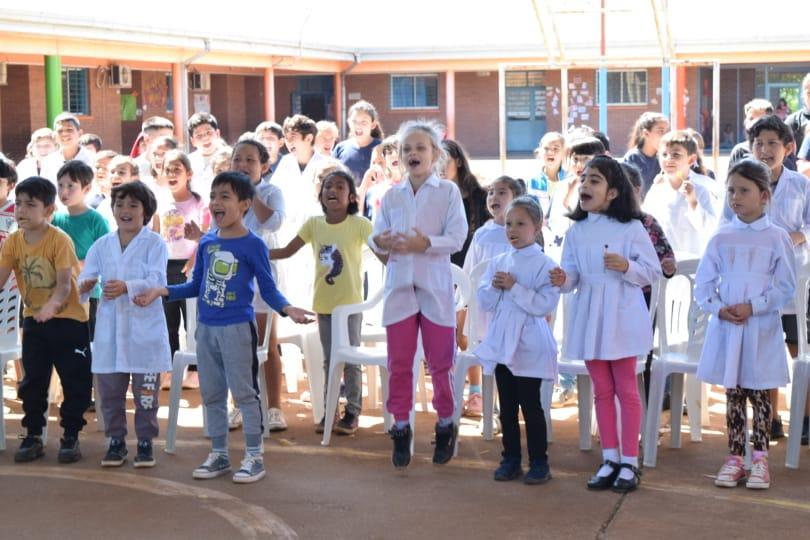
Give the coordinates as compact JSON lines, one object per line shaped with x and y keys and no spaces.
{"x":622,"y":73}
{"x":413,"y":76}
{"x":66,"y":93}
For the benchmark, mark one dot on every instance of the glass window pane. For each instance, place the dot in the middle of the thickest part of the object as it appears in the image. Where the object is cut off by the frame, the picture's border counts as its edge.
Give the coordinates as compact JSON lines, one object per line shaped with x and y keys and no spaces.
{"x":614,"y":87}
{"x":535,"y":78}
{"x":402,"y":92}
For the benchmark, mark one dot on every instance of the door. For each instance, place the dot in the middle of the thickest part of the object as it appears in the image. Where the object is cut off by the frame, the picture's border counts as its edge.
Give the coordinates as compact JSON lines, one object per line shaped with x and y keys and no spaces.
{"x":525,"y":110}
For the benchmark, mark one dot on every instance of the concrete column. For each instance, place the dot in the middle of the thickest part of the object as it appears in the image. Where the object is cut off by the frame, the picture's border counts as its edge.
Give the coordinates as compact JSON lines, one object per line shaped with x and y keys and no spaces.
{"x":679,"y":102}
{"x":603,"y":100}
{"x":179,"y":99}
{"x":53,"y":88}
{"x":338,"y":98}
{"x":269,"y":94}
{"x":450,"y":103}
{"x":665,"y":90}
{"x":564,"y":99}
{"x":502,"y":117}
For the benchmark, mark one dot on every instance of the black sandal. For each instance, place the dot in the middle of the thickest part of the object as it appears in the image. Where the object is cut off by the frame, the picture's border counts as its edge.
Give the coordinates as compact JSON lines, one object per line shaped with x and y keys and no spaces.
{"x":604,"y":482}
{"x":626,"y":486}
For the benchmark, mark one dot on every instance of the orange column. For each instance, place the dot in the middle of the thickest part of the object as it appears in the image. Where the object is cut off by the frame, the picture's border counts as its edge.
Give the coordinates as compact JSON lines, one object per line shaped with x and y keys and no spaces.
{"x":269,"y":94}
{"x":338,"y":93}
{"x":177,"y":100}
{"x":450,"y":103}
{"x":679,"y":103}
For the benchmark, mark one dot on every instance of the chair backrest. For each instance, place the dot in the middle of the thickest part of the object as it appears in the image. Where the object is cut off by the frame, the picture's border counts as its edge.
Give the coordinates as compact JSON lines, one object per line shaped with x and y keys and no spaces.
{"x":374,"y":272}
{"x":681,"y":322}
{"x":9,"y":316}
{"x":461,"y":285}
{"x":191,"y":324}
{"x":471,"y":325}
{"x":800,"y":300}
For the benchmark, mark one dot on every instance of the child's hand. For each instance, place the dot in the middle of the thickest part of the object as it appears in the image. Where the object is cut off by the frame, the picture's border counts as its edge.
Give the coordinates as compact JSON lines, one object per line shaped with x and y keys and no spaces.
{"x":614,"y":261}
{"x":728,"y":314}
{"x":299,"y":315}
{"x":668,"y":266}
{"x":192,"y":231}
{"x":47,"y":312}
{"x":688,"y":190}
{"x":384,"y":240}
{"x":742,"y":311}
{"x":87,"y":285}
{"x":798,"y":238}
{"x":374,"y":175}
{"x":503,"y":280}
{"x":114,"y":288}
{"x":557,"y":276}
{"x":147,"y":297}
{"x":415,"y":243}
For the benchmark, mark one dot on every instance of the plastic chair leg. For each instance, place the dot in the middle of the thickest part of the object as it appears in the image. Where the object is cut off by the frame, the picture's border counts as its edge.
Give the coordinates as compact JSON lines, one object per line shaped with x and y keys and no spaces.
{"x":174,"y":405}
{"x":313,"y":360}
{"x":798,"y":401}
{"x":676,"y":408}
{"x":655,"y":405}
{"x":332,"y":396}
{"x":585,"y":402}
{"x":695,"y":407}
{"x":488,"y":391}
{"x":546,"y":392}
{"x":459,"y":370}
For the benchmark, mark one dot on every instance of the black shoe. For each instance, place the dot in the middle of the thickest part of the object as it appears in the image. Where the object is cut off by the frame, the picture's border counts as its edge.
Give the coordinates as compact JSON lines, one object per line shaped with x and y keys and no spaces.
{"x":401,"y":456}
{"x":92,"y":406}
{"x":445,"y":443}
{"x":626,"y":486}
{"x":69,"y":451}
{"x":145,"y":457}
{"x":347,"y":425}
{"x":806,"y":431}
{"x":509,"y":469}
{"x":777,"y":429}
{"x":539,"y":473}
{"x":116,"y":454}
{"x":321,"y":426}
{"x":31,"y":448}
{"x":604,"y":482}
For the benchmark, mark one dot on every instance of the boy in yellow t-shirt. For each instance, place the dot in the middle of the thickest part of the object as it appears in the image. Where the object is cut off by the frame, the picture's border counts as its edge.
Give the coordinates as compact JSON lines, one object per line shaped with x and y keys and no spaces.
{"x":55,"y":331}
{"x":337,"y":240}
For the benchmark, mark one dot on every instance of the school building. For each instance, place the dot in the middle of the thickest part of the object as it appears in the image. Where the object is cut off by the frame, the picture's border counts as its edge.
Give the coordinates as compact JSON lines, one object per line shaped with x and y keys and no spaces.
{"x":497,"y":96}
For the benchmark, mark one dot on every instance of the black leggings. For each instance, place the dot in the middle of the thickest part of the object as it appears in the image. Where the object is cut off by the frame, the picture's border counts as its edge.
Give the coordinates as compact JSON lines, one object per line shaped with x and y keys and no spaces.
{"x":736,"y":415}
{"x":522,"y":392}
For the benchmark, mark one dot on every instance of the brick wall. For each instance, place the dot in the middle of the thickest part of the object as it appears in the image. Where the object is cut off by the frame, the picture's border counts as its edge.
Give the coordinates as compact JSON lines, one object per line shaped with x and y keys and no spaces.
{"x":15,"y":121}
{"x":228,"y":105}
{"x":477,"y":112}
{"x":284,"y":87}
{"x":254,"y":101}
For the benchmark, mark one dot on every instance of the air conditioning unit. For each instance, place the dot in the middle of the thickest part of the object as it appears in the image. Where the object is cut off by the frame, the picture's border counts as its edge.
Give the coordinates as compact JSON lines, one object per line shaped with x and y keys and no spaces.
{"x":3,"y":74}
{"x":121,"y":76}
{"x":199,"y":81}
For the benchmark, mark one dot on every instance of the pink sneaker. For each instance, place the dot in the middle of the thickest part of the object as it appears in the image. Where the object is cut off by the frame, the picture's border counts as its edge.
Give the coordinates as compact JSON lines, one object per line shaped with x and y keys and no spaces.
{"x":474,"y":406}
{"x":731,"y":473}
{"x":760,"y":477}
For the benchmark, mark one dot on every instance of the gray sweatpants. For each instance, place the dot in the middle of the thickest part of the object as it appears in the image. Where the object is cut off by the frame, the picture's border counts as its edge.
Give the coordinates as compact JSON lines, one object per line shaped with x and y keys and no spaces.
{"x":112,"y":389}
{"x":352,"y":373}
{"x":227,"y":360}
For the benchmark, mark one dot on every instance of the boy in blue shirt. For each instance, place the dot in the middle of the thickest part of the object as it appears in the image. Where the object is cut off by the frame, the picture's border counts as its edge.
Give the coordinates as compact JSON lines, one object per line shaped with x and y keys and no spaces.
{"x":227,"y":263}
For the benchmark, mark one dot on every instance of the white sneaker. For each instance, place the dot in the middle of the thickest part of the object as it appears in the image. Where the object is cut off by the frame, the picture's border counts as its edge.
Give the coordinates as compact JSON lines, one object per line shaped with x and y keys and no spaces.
{"x":276,"y":420}
{"x":251,"y":470}
{"x":234,"y":418}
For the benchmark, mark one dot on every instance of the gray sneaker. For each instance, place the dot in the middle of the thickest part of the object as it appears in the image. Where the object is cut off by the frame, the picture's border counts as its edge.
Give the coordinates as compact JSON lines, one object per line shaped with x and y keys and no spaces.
{"x":251,"y":470}
{"x":215,"y":465}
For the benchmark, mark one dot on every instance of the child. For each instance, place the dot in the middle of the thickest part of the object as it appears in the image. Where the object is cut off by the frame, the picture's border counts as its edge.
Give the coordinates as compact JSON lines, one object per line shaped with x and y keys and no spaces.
{"x":519,"y":346}
{"x":81,"y":223}
{"x":607,"y":258}
{"x":122,"y":169}
{"x":271,"y":136}
{"x":679,"y":199}
{"x":55,"y":331}
{"x":745,"y":277}
{"x":365,"y":134}
{"x":203,"y":130}
{"x":380,"y":177}
{"x":131,"y":342}
{"x":99,"y":196}
{"x":8,"y":179}
{"x":91,"y":142}
{"x":420,"y":224}
{"x":337,"y":240}
{"x":550,"y":152}
{"x":43,"y":143}
{"x":152,"y":129}
{"x":224,"y":270}
{"x":644,"y":143}
{"x":488,"y":241}
{"x":159,"y":147}
{"x":326,"y":138}
{"x":753,"y":111}
{"x":68,"y":129}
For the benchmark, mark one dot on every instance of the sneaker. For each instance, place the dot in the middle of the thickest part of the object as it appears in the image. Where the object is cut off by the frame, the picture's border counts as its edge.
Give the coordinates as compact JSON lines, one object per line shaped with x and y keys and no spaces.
{"x":251,"y":470}
{"x":401,"y":456}
{"x":234,"y":418}
{"x":276,"y":420}
{"x":116,"y":454}
{"x":731,"y":473}
{"x":145,"y":457}
{"x":445,"y":443}
{"x":31,"y":448}
{"x":561,"y":397}
{"x":216,"y":464}
{"x":760,"y":476}
{"x":806,"y":431}
{"x":474,"y":406}
{"x":348,"y":424}
{"x":509,"y":469}
{"x":539,"y":473}
{"x":777,"y":429}
{"x":69,"y":451}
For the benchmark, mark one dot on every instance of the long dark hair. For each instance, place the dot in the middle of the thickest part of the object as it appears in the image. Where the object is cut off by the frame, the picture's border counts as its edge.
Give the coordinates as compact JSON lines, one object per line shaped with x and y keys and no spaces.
{"x":624,"y":207}
{"x":467,"y":182}
{"x":646,"y":121}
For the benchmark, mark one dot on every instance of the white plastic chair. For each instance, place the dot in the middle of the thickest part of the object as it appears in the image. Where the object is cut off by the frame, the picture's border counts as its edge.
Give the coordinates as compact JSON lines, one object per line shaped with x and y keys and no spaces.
{"x":343,"y":352}
{"x":801,"y":377}
{"x":306,"y":338}
{"x":681,"y":332}
{"x":10,"y":347}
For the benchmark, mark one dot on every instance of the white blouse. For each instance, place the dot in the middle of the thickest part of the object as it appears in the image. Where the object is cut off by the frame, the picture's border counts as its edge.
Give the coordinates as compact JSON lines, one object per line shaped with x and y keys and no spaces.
{"x":488,"y":242}
{"x":421,"y":282}
{"x":129,"y":338}
{"x":685,"y":228}
{"x":746,"y":262}
{"x":609,"y":319}
{"x":519,"y":336}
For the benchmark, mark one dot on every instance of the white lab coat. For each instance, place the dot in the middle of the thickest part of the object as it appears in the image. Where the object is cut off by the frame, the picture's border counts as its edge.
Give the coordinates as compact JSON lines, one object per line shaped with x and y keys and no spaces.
{"x":129,"y":338}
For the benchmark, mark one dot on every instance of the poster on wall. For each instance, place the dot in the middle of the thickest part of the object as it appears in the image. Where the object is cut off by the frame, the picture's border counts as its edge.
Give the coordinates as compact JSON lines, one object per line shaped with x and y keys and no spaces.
{"x":202,"y":103}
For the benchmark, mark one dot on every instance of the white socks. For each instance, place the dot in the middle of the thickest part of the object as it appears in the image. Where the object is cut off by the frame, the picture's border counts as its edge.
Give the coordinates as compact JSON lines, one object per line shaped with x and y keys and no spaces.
{"x":608,"y":454}
{"x":628,"y":474}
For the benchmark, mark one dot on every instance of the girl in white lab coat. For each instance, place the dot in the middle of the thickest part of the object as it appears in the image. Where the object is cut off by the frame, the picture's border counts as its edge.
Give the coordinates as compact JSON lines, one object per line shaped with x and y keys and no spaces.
{"x":747,"y":274}
{"x":607,"y":259}
{"x":131,"y":342}
{"x":519,"y":346}
{"x":420,"y":223}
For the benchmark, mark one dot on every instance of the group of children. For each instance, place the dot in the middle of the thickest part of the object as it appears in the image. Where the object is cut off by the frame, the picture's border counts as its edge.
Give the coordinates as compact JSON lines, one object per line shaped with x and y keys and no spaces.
{"x":577,"y":229}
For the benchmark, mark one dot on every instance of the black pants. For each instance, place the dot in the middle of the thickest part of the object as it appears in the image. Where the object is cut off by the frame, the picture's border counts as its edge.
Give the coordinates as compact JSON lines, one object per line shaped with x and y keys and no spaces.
{"x":64,"y":344}
{"x":176,"y":310}
{"x":523,"y":392}
{"x":91,"y":322}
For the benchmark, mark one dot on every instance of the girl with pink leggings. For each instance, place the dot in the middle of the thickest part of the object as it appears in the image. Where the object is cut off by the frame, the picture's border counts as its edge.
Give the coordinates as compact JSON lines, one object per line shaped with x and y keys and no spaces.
{"x":607,"y":259}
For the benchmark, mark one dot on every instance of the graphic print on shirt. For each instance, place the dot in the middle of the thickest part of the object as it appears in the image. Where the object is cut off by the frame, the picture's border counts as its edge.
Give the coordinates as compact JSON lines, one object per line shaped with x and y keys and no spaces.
{"x":330,"y":257}
{"x":38,"y":274}
{"x":172,"y":225}
{"x":222,"y":266}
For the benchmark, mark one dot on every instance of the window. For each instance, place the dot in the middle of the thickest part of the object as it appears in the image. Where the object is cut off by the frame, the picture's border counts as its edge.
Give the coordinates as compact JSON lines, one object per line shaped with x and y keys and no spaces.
{"x":627,"y":87}
{"x":75,"y":91}
{"x":414,"y":92}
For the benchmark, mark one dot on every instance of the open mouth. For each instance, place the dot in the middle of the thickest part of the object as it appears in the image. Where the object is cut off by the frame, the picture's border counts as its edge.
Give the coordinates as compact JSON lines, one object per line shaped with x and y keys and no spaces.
{"x":395,"y":163}
{"x":585,"y":197}
{"x":218,"y":215}
{"x":413,"y":163}
{"x":125,"y":219}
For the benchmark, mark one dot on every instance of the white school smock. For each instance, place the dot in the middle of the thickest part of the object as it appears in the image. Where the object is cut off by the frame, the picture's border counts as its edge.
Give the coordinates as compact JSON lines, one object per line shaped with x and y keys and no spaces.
{"x":518,"y":335}
{"x":129,"y":338}
{"x":421,"y":282}
{"x":609,"y":318}
{"x":488,"y":242}
{"x":686,"y":229}
{"x":746,"y":262}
